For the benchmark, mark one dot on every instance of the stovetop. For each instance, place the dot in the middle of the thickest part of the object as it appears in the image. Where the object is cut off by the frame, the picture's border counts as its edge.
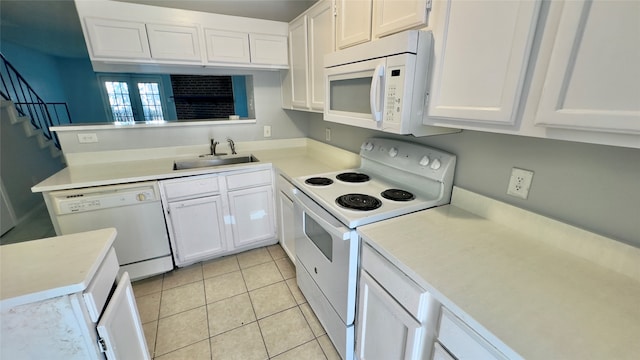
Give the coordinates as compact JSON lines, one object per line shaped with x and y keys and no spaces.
{"x":388,"y":168}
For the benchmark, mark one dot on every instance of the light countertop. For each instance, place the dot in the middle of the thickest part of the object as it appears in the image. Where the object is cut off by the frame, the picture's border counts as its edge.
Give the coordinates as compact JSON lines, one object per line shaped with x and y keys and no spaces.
{"x":37,"y":270}
{"x":528,"y":298}
{"x":294,"y":158}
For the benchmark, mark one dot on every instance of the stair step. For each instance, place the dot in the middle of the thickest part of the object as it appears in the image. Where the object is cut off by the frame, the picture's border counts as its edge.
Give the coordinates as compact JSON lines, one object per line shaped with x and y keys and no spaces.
{"x":12,"y":113}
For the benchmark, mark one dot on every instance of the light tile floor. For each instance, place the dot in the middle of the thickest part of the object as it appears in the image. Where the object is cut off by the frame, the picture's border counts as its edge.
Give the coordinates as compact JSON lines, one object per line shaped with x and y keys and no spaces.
{"x":245,"y":307}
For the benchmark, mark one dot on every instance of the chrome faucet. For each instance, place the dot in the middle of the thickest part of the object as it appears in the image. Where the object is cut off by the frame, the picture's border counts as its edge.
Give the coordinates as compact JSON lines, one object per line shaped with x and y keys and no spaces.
{"x":232,"y":145}
{"x":213,"y":148}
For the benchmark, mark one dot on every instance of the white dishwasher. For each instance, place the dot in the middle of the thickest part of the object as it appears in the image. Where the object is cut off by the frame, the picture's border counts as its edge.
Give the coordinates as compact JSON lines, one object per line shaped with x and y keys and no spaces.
{"x":135,"y":210}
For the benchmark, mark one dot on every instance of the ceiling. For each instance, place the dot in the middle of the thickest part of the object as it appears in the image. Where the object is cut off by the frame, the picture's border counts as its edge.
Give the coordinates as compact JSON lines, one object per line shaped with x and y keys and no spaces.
{"x":53,"y":27}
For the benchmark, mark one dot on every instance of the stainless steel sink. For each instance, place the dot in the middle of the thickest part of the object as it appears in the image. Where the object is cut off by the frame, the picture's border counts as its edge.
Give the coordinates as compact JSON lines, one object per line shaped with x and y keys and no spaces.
{"x":212,"y":161}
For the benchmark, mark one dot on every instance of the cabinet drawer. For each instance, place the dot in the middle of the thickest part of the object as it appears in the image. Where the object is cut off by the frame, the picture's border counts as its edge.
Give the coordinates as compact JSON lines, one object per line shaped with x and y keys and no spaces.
{"x":462,"y":342}
{"x":192,"y":186}
{"x":97,"y":293}
{"x":399,"y":285}
{"x":248,"y":179}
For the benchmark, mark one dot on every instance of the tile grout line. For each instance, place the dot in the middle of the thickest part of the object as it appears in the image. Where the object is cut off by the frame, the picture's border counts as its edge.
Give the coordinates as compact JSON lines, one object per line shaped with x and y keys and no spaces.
{"x":255,"y":315}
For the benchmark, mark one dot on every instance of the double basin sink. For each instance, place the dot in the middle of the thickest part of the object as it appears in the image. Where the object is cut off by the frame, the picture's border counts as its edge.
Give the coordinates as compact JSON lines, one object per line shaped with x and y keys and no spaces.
{"x":210,"y":161}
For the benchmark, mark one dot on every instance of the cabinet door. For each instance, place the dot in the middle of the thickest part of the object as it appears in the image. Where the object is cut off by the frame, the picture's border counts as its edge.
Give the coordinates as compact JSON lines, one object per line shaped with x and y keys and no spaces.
{"x":321,"y":35}
{"x":299,"y":62}
{"x":481,"y":51}
{"x":227,"y":46}
{"x":197,"y":229}
{"x":593,"y":78}
{"x":117,"y":39}
{"x":178,"y":43}
{"x":392,"y":16}
{"x":384,"y":329}
{"x":120,"y":327}
{"x":269,"y":49}
{"x":287,"y":223}
{"x":353,"y":23}
{"x":252,"y":215}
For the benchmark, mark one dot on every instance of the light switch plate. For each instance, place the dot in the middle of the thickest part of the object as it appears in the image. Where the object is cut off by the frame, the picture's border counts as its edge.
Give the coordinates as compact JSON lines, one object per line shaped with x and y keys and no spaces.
{"x":267,"y":131}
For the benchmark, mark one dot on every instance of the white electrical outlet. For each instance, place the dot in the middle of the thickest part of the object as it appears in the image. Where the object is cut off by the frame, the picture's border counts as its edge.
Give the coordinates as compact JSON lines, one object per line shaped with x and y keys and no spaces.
{"x":267,"y":131}
{"x":327,"y":134}
{"x":520,"y":183}
{"x":85,"y":138}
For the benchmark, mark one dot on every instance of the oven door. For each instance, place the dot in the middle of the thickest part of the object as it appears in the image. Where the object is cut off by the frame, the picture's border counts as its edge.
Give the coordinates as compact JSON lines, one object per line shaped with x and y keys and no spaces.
{"x":328,"y":250}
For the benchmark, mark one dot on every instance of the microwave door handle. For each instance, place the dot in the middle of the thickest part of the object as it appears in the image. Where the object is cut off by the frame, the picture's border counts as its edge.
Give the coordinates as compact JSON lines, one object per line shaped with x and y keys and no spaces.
{"x":376,"y":93}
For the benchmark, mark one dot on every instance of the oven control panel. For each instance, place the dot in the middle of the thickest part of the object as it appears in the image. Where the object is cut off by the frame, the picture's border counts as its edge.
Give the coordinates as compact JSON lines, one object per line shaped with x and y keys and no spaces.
{"x":411,"y":157}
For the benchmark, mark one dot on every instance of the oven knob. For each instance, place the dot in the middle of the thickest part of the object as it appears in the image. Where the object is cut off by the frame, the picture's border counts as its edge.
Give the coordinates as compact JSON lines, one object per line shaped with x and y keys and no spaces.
{"x":367,"y":146}
{"x":424,"y":161}
{"x":393,"y":152}
{"x":435,"y":164}
{"x":141,"y":197}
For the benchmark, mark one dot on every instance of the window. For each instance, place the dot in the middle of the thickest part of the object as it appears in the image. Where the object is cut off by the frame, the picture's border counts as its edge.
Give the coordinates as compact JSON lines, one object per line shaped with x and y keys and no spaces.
{"x":152,"y":98}
{"x":133,"y":98}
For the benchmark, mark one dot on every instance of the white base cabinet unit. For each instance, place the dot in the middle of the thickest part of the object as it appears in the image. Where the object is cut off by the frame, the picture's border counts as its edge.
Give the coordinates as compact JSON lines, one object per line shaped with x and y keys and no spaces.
{"x":194,"y":211}
{"x":61,"y":300}
{"x":458,"y":341}
{"x":214,"y":215}
{"x":286,"y":214}
{"x":251,"y":205}
{"x":396,"y":318}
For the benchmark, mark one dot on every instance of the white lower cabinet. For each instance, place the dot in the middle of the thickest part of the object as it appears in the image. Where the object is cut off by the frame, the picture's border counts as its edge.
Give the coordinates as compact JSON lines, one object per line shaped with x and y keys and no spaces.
{"x":396,"y":318}
{"x":461,"y":342}
{"x":214,"y":215}
{"x":198,"y":228}
{"x":252,"y":215}
{"x":74,"y":326}
{"x":286,"y":217}
{"x":385,"y":328}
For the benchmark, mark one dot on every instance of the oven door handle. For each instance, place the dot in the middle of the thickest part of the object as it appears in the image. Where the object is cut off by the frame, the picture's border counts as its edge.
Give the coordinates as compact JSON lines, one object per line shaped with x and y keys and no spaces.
{"x":321,"y":216}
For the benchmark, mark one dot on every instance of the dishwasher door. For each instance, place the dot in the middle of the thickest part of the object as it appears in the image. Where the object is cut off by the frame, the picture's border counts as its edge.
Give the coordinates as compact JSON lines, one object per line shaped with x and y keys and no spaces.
{"x":135,"y":210}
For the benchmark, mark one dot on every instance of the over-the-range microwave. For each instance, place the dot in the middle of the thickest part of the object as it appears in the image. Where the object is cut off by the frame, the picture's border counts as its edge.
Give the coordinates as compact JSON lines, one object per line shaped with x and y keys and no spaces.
{"x":381,"y":85}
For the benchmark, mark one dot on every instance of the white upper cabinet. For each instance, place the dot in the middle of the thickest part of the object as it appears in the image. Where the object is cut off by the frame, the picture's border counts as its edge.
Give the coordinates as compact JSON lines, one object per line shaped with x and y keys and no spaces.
{"x":353,"y":23}
{"x":178,"y":43}
{"x":311,"y":37}
{"x":117,"y":39}
{"x":227,"y":46}
{"x":243,"y":47}
{"x":321,"y":38}
{"x":268,"y":49}
{"x":391,"y":16}
{"x":593,"y":77}
{"x":299,"y":62}
{"x":481,"y":52}
{"x":145,"y":35}
{"x":360,"y":21}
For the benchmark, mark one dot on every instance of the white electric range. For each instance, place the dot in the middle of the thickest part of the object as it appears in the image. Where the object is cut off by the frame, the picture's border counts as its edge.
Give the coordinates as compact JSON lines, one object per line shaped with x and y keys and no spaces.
{"x":395,"y":178}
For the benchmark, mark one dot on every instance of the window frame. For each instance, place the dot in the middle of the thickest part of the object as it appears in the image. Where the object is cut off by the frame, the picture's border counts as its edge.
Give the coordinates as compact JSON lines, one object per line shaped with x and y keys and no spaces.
{"x":132,"y":81}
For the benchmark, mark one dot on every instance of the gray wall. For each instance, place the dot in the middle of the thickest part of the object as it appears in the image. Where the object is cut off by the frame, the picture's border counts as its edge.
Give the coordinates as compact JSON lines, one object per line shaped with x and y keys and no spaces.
{"x":594,"y":187}
{"x":23,"y":164}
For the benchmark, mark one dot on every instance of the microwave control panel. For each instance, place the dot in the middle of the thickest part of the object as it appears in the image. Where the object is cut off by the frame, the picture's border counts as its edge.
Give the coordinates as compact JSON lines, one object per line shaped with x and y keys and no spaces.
{"x":394,"y":94}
